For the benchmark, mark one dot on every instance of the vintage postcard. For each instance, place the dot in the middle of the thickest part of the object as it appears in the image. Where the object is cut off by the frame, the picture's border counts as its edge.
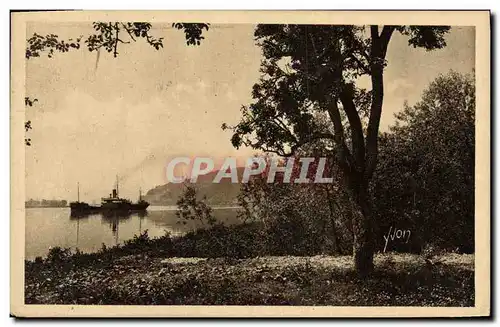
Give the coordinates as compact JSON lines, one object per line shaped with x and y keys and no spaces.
{"x":250,"y":164}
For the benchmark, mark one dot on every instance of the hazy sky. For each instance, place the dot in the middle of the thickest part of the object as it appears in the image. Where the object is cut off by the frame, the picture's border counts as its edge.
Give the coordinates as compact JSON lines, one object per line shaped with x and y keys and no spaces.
{"x":97,"y":118}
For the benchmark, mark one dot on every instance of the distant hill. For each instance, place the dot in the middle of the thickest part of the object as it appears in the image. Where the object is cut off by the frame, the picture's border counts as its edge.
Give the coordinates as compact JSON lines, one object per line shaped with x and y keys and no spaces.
{"x":223,"y":193}
{"x":45,"y":203}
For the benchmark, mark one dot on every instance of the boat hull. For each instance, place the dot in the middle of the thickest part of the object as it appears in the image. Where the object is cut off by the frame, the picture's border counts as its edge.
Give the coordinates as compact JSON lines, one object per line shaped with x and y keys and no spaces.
{"x":82,"y":208}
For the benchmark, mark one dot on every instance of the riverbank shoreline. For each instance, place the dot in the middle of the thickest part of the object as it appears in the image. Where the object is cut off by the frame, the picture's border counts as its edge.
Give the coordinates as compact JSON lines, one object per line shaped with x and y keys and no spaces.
{"x":187,"y":270}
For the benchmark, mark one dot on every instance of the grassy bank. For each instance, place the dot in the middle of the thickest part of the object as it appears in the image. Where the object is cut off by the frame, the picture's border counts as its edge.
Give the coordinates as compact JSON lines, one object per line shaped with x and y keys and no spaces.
{"x":166,"y":271}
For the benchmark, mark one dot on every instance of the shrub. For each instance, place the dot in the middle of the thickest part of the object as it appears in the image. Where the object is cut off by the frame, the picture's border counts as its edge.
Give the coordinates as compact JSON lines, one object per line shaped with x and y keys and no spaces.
{"x":58,"y":254}
{"x":189,"y":207}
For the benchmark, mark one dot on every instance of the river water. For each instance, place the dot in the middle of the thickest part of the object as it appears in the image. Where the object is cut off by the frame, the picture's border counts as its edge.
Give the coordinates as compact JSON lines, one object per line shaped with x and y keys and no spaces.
{"x":50,"y":227}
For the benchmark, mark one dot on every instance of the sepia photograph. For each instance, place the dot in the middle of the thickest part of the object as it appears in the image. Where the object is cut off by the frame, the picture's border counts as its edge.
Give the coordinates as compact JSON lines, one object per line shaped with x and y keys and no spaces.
{"x":281,"y":163}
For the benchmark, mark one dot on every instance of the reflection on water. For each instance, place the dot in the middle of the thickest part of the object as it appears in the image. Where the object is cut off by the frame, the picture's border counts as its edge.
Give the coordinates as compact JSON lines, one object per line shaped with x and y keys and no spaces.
{"x":49,"y":227}
{"x":112,"y":219}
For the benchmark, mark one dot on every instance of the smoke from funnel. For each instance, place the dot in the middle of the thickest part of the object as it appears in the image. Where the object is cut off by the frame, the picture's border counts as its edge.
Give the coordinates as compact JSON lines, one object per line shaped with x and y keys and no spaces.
{"x":122,"y":178}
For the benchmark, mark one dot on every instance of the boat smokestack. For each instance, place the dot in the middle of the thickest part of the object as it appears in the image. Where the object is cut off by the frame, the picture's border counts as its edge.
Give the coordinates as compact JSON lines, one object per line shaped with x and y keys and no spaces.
{"x":114,"y":193}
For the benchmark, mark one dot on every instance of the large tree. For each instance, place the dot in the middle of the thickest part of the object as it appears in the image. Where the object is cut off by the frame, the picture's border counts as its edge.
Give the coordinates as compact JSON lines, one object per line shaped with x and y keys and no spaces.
{"x":314,"y":69}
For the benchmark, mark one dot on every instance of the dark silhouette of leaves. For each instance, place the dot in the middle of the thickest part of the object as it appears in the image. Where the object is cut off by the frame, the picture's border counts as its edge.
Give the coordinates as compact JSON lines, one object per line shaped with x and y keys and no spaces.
{"x":51,"y":43}
{"x":427,"y":37}
{"x":193,"y":31}
{"x":27,"y":124}
{"x":108,"y":35}
{"x":29,"y":102}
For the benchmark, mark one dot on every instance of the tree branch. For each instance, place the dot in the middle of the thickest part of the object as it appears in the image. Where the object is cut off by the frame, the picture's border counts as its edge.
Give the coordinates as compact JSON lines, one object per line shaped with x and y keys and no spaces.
{"x":346,"y":160}
{"x":378,"y":52}
{"x":385,"y":37}
{"x":115,"y":53}
{"x":365,"y":68}
{"x":129,"y":32}
{"x":358,"y":143}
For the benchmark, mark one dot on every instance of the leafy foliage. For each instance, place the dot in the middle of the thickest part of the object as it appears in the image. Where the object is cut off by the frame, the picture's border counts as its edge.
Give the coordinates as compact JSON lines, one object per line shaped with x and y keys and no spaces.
{"x":193,"y":31}
{"x":427,"y":37}
{"x":51,"y":43}
{"x":189,"y":207}
{"x":297,"y":218}
{"x":425,"y":178}
{"x":424,"y":183}
{"x":28,"y":102}
{"x":305,"y":71}
{"x":58,"y":254}
{"x":108,"y":35}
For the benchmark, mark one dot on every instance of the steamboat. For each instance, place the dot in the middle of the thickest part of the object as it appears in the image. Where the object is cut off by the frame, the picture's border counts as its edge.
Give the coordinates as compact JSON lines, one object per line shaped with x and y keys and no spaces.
{"x":112,"y":204}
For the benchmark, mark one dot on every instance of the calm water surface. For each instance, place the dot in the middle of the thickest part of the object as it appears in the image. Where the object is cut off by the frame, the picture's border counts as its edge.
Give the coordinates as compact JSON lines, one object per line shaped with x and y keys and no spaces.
{"x":49,"y":227}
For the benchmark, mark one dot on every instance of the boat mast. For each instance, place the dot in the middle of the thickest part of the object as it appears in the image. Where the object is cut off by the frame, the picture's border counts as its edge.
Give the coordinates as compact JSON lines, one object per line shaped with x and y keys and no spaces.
{"x":78,"y":190}
{"x":77,"y":229}
{"x":140,"y":194}
{"x":117,"y":194}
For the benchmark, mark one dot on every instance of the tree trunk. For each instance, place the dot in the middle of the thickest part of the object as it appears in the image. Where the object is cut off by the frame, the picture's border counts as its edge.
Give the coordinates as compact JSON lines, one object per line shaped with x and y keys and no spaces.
{"x":363,"y":247}
{"x":336,"y":242}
